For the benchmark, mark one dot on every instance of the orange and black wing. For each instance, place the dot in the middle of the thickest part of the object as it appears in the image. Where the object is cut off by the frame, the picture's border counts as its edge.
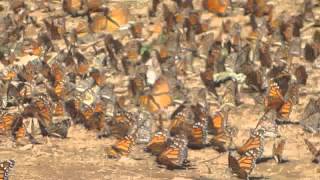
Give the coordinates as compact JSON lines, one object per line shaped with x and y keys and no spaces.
{"x":124,"y":145}
{"x":5,"y":167}
{"x":198,"y":135}
{"x":159,"y":98}
{"x":242,"y":166}
{"x":157,"y":143}
{"x":174,"y":156}
{"x":274,"y":99}
{"x":254,"y":146}
{"x":217,"y":123}
{"x":220,"y":141}
{"x":285,"y":110}
{"x":216,"y":6}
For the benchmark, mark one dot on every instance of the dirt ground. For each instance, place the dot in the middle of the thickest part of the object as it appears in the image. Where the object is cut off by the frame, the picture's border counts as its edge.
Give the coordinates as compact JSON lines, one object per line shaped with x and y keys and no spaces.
{"x":81,"y":156}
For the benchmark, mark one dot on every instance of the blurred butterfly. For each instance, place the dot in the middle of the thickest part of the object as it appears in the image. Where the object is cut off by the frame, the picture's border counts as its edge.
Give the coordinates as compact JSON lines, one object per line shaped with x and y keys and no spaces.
{"x":184,"y":4}
{"x":92,"y":120}
{"x":301,"y":74}
{"x":99,"y":78}
{"x":136,"y":29}
{"x":311,"y":52}
{"x":54,"y":29}
{"x":121,"y":123}
{"x":242,"y":166}
{"x":178,"y":122}
{"x":314,"y":151}
{"x":267,"y":123}
{"x":43,"y":110}
{"x":200,"y":113}
{"x":157,"y":143}
{"x":217,"y":123}
{"x":175,"y":155}
{"x":159,"y":97}
{"x":277,"y":151}
{"x":122,"y":147}
{"x":216,"y":6}
{"x":153,"y":9}
{"x":220,"y":142}
{"x":264,"y":55}
{"x":5,"y":167}
{"x":7,"y":121}
{"x":207,"y":79}
{"x":198,"y":137}
{"x":58,"y":109}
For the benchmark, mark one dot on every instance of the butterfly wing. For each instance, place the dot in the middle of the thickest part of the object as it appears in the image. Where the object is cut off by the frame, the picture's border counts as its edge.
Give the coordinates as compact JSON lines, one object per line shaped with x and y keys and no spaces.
{"x":285,"y":109}
{"x":218,"y":123}
{"x":253,"y":146}
{"x":277,"y":150}
{"x":124,"y":145}
{"x":5,"y":166}
{"x":274,"y":98}
{"x":198,"y":136}
{"x":311,"y":147}
{"x":157,"y":143}
{"x":242,"y":166}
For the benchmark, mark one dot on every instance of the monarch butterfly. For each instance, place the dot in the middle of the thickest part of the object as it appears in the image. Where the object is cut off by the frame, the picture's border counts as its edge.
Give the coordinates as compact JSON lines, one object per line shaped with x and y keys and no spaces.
{"x":55,"y":31}
{"x":314,"y":151}
{"x":242,"y":166}
{"x":133,"y":51}
{"x":159,"y":98}
{"x":207,"y":79}
{"x":136,"y":30}
{"x":7,"y":121}
{"x":217,"y":6}
{"x":153,"y":9}
{"x":122,"y":148}
{"x":175,"y":155}
{"x":157,"y":143}
{"x":254,"y":145}
{"x":178,"y":120}
{"x":98,"y":77}
{"x":11,"y":74}
{"x":44,"y":110}
{"x":56,"y":73}
{"x":5,"y":166}
{"x":121,"y":123}
{"x":200,"y":113}
{"x":285,"y":109}
{"x":220,"y":141}
{"x":58,"y":109}
{"x":275,"y":100}
{"x":217,"y":123}
{"x":137,"y":85}
{"x":198,"y":136}
{"x":256,"y":7}
{"x":268,"y":124}
{"x":310,"y":52}
{"x":264,"y":56}
{"x":277,"y":151}
{"x":301,"y":74}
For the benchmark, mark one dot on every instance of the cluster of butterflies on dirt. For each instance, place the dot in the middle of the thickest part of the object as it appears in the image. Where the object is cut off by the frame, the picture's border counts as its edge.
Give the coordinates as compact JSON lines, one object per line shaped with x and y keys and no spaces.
{"x":53,"y":91}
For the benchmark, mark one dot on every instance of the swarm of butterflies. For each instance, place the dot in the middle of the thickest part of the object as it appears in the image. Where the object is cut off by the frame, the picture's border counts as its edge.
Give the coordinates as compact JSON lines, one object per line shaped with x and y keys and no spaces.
{"x":118,"y":75}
